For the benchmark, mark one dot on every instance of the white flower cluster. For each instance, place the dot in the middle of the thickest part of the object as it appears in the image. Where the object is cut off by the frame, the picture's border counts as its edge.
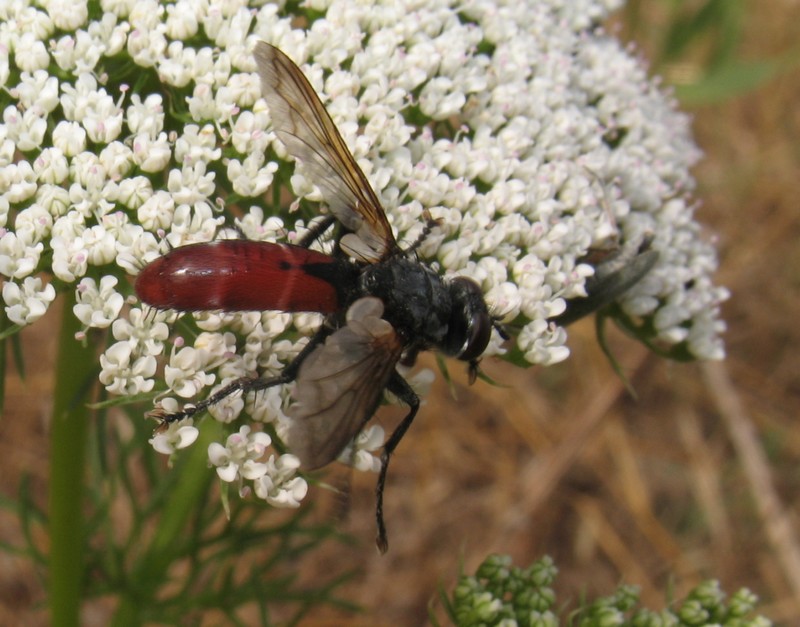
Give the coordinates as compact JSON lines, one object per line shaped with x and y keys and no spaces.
{"x":274,"y":479}
{"x":528,"y":132}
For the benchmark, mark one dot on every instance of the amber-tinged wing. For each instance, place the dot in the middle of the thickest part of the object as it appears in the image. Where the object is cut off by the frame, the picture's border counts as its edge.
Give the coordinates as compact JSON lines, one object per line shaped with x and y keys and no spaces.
{"x":340,"y":384}
{"x":305,"y":128}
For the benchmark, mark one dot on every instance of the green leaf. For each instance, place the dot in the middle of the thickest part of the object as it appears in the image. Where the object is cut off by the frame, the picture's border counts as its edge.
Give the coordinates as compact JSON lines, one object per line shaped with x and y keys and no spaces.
{"x":732,"y":80}
{"x":600,"y":329}
{"x":717,"y":24}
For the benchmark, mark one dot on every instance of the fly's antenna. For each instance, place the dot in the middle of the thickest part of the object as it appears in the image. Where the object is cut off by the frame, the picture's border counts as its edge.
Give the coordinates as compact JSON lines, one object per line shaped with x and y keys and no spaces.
{"x":430,"y":224}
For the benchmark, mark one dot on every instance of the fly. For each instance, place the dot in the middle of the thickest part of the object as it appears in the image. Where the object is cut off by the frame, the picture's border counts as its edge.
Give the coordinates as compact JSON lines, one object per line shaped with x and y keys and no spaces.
{"x":382,"y":306}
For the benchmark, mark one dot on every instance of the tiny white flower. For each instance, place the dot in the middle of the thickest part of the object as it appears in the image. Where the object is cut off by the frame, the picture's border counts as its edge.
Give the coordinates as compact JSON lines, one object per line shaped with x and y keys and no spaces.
{"x":67,"y":15}
{"x":248,"y":178}
{"x":238,"y":459}
{"x":245,"y":89}
{"x":225,"y":106}
{"x":176,"y":67}
{"x":117,"y":159}
{"x":151,"y":155}
{"x":145,"y":117}
{"x":255,"y":226}
{"x":18,"y":258}
{"x":280,"y":486}
{"x":134,"y":247}
{"x":194,"y":223}
{"x":146,"y":14}
{"x":100,"y":245}
{"x":7,"y":149}
{"x":88,"y":172}
{"x":25,"y":129}
{"x":185,"y":373}
{"x":108,"y":34}
{"x":69,"y":226}
{"x":30,"y":53}
{"x":65,"y":52}
{"x":359,"y":453}
{"x":19,"y":181}
{"x":506,"y":301}
{"x":103,"y":121}
{"x":95,"y":306}
{"x":146,"y":47}
{"x":33,"y":224}
{"x":125,"y":373}
{"x":201,"y":103}
{"x":191,"y":184}
{"x":70,"y":257}
{"x":69,"y":138}
{"x":218,"y":348}
{"x":229,"y":408}
{"x":134,"y":192}
{"x":146,"y":332}
{"x":196,"y":145}
{"x":26,"y":304}
{"x":182,"y":20}
{"x":156,"y":212}
{"x":177,"y":436}
{"x":268,"y":405}
{"x":248,"y":134}
{"x":543,"y":343}
{"x":51,"y":166}
{"x":5,"y":70}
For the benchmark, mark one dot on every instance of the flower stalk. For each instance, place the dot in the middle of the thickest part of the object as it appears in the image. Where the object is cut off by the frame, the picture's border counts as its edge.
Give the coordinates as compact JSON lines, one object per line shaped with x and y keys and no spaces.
{"x":76,"y":377}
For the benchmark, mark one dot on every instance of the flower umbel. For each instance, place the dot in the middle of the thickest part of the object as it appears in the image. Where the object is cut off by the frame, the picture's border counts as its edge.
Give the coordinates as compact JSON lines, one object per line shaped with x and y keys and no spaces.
{"x":529,"y":134}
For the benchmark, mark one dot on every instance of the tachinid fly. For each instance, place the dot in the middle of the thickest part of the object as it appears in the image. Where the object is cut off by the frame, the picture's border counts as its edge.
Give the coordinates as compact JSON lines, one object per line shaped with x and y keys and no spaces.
{"x":382,"y":306}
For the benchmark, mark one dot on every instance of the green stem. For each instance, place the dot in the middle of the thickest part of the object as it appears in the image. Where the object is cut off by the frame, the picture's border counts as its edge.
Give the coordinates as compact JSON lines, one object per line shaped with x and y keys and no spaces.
{"x":75,"y":372}
{"x":190,"y":489}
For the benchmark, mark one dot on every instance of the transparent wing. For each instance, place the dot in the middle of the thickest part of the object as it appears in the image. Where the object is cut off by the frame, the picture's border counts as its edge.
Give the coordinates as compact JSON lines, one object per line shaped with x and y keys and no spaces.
{"x":304,"y":126}
{"x":340,"y":384}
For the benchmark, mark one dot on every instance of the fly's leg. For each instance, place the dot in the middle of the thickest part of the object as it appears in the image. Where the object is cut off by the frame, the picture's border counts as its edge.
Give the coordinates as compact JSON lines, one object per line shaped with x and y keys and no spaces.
{"x":315,"y":231}
{"x":401,"y":389}
{"x":244,"y":385}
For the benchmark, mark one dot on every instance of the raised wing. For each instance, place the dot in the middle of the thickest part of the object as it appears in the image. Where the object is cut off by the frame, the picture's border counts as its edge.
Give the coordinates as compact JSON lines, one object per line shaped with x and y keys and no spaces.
{"x":340,"y":384}
{"x":304,"y":126}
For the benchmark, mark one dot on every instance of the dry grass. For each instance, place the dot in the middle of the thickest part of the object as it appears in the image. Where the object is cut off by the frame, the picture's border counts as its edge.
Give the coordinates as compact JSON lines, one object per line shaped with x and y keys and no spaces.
{"x":696,"y":479}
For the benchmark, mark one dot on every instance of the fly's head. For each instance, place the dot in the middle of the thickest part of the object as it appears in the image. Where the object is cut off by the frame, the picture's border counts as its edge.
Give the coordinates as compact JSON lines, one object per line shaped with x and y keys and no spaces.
{"x":470,"y":326}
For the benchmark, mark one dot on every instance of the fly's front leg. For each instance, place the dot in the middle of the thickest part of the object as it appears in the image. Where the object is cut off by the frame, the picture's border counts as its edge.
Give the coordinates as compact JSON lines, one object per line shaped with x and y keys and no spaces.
{"x":401,"y":389}
{"x":244,"y":385}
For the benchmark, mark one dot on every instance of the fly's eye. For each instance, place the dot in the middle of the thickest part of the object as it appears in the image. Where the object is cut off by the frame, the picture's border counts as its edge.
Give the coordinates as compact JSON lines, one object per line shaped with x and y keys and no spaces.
{"x":470,"y":323}
{"x":479,"y":332}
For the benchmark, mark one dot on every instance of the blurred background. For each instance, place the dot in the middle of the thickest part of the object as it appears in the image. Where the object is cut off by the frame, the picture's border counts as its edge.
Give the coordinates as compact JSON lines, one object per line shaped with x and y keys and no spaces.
{"x":696,"y":478}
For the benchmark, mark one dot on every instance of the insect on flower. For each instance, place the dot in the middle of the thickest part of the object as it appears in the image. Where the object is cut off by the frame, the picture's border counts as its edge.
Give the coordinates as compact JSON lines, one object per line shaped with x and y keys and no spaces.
{"x":382,"y":305}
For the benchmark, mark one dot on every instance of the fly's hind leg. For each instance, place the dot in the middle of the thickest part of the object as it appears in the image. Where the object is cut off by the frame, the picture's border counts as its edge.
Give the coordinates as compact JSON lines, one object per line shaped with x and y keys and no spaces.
{"x":399,"y":387}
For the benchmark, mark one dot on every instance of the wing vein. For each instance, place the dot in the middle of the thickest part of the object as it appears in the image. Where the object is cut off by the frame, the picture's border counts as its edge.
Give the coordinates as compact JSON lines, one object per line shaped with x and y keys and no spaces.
{"x":304,"y":126}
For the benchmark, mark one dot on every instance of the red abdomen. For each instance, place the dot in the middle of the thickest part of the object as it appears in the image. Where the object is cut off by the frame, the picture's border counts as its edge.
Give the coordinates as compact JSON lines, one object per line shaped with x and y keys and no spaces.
{"x":243,"y":275}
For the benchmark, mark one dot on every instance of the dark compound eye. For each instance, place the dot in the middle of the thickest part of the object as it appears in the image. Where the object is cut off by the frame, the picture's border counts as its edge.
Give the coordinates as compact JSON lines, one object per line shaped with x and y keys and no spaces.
{"x":470,"y":323}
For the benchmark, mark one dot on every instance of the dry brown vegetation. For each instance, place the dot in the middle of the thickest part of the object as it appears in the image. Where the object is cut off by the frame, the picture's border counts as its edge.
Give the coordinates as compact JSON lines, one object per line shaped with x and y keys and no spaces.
{"x":696,"y":479}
